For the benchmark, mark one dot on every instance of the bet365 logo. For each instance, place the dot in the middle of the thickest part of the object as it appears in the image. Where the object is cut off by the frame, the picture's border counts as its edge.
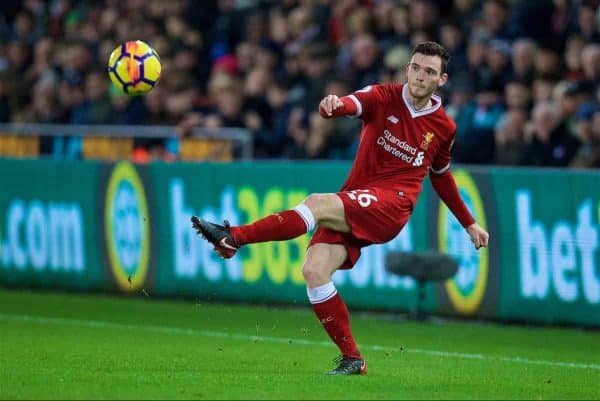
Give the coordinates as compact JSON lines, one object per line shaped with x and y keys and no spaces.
{"x":126,"y":223}
{"x":467,"y":288}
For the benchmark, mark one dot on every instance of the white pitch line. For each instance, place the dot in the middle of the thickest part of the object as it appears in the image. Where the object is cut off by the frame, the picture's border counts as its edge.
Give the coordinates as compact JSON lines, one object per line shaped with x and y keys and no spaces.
{"x":282,"y":340}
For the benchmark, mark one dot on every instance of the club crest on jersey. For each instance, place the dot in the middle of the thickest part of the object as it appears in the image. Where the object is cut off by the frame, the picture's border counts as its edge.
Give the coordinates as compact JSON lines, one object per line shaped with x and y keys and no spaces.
{"x":427,"y":138}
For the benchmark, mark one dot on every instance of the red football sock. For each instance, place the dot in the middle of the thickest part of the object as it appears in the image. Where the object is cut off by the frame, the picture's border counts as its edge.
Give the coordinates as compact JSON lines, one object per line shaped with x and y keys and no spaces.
{"x":276,"y":227}
{"x":333,"y":315}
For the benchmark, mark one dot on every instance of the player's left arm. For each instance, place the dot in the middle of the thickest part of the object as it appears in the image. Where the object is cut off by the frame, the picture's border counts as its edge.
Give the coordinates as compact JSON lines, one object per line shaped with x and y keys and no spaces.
{"x":444,"y":185}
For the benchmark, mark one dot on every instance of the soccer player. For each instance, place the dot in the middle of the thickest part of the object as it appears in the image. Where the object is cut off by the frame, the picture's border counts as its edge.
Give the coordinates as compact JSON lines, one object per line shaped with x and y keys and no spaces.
{"x":405,"y":134}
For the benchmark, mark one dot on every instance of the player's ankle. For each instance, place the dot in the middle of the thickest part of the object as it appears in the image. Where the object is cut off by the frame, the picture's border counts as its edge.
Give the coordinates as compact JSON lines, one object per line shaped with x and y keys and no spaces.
{"x":353,"y":355}
{"x":236,"y":237}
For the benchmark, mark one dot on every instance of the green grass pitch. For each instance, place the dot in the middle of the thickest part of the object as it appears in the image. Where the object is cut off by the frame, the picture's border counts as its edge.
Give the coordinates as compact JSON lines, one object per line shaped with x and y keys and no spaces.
{"x":74,"y":346}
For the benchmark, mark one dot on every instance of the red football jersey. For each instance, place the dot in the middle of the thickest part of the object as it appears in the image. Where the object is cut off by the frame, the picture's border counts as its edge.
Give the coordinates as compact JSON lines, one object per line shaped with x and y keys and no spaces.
{"x":398,"y":145}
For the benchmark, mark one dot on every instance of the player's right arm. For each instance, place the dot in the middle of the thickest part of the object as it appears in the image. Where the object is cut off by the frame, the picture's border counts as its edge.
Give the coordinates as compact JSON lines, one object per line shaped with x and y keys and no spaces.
{"x":334,"y":106}
{"x":361,"y":103}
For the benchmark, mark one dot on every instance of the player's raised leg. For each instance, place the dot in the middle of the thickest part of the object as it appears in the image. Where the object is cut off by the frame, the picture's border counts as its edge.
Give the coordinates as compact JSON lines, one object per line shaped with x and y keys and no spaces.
{"x":321,"y":262}
{"x":323,"y":209}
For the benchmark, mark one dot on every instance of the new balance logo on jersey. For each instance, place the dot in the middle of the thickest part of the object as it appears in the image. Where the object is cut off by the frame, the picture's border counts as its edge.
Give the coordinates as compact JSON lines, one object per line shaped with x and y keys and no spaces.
{"x":393,"y":119}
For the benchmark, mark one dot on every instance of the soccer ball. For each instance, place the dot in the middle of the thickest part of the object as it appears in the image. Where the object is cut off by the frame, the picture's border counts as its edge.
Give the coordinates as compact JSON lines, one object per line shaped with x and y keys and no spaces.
{"x":134,"y":67}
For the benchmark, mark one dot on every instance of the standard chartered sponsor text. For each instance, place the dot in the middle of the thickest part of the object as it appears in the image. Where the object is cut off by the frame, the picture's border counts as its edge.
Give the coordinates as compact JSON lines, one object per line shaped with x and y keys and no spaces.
{"x":396,"y":147}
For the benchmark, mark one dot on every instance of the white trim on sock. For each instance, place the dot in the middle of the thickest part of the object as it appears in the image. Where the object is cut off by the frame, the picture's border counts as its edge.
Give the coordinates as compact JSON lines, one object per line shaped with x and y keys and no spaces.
{"x":307,"y":216}
{"x":321,"y":293}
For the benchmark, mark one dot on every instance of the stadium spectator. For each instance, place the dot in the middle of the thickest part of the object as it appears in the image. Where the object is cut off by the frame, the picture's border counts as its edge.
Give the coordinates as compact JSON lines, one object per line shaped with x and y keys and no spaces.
{"x":551,"y":145}
{"x":270,"y":142}
{"x":587,"y":22}
{"x":476,"y":141}
{"x":547,"y":64}
{"x":572,"y":59}
{"x":543,"y":88}
{"x":400,"y":24}
{"x":590,"y":63}
{"x":365,"y":61}
{"x":453,"y":39}
{"x":384,"y":30}
{"x":97,"y":107}
{"x":497,"y":61}
{"x":476,"y":52}
{"x":494,"y":19}
{"x":522,"y":58}
{"x":317,"y":66}
{"x":517,"y":95}
{"x":570,"y":96}
{"x":587,"y":119}
{"x":510,"y":142}
{"x":423,"y":15}
{"x":298,"y":135}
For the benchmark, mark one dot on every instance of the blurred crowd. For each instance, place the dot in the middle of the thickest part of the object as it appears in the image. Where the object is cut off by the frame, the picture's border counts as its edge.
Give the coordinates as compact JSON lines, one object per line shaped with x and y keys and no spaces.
{"x":524,"y":84}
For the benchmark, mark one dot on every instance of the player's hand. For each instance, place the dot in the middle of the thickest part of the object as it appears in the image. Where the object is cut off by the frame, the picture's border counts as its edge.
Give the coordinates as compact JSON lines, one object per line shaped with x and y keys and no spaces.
{"x":329,"y":104}
{"x":479,"y":237}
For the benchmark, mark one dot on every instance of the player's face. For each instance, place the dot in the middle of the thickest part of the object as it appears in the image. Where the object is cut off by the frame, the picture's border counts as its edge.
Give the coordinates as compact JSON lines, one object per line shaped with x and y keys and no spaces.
{"x":424,"y":75}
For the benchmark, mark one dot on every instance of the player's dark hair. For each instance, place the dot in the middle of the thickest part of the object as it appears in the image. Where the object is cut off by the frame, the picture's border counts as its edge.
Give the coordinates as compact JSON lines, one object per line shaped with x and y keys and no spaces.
{"x":433,"y":49}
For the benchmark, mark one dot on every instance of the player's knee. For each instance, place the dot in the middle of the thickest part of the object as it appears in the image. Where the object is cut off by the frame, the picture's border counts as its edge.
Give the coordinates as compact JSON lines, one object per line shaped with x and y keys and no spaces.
{"x":321,"y":262}
{"x":318,"y":205}
{"x":314,"y":275}
{"x":313,"y":202}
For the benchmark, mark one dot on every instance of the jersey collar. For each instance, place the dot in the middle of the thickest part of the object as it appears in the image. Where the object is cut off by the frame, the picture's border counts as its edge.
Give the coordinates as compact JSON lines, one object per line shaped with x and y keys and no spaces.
{"x":437,"y":102}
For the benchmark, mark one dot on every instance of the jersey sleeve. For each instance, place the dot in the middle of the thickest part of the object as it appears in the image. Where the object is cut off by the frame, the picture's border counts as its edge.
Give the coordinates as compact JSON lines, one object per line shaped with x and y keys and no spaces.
{"x":368,"y":99}
{"x":348,"y":109}
{"x":446,"y":188}
{"x":441,"y":163}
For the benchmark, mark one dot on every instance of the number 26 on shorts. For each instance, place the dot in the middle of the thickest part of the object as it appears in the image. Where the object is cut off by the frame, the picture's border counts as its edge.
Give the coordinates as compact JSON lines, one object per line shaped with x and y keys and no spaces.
{"x":362,"y":196}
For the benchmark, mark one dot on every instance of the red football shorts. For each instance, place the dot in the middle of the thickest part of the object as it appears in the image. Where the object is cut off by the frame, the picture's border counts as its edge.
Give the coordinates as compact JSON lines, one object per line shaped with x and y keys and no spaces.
{"x":375,"y":216}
